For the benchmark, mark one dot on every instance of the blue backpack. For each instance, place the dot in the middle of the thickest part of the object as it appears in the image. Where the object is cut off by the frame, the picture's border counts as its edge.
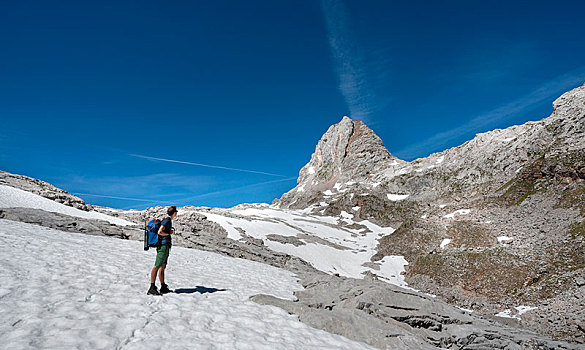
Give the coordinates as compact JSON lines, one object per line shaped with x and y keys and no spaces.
{"x":151,"y":238}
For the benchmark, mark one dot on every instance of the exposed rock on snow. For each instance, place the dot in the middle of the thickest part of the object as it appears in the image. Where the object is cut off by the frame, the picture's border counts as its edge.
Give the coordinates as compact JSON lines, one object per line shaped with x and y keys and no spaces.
{"x":11,"y":197}
{"x":43,"y":189}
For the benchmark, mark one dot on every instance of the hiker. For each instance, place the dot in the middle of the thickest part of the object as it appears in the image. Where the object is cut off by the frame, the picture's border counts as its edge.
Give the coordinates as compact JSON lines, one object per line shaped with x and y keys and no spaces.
{"x":162,"y":253}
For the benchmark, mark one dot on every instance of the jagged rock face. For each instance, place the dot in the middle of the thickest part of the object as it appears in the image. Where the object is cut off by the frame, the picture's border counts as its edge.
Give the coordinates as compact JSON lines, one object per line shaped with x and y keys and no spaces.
{"x":348,"y":152}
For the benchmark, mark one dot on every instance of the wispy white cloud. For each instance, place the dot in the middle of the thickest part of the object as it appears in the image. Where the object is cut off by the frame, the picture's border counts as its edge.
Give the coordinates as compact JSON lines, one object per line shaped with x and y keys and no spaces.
{"x":494,"y":118}
{"x":204,"y":165}
{"x":351,"y":66}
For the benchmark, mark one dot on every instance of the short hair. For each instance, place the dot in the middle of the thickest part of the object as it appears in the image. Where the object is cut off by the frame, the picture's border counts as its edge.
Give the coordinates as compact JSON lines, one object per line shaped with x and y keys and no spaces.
{"x":172,"y":210}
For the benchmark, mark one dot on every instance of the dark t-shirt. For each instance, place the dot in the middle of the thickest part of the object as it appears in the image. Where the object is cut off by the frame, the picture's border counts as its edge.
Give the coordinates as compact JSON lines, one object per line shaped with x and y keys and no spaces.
{"x":166,"y":224}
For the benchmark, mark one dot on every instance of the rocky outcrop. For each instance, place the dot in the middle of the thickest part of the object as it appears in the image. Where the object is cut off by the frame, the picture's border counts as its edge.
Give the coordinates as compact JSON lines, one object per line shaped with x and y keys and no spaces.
{"x":69,"y":223}
{"x":43,"y":189}
{"x":390,"y":317}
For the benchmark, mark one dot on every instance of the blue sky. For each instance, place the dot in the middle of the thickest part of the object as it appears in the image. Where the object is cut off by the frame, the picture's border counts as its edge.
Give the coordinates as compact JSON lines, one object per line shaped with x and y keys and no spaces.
{"x":139,"y":103}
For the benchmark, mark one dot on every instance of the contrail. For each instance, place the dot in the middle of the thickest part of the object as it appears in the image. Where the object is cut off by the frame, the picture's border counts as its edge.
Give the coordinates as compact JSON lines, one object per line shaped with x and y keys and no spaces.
{"x":350,"y":64}
{"x":205,"y":165}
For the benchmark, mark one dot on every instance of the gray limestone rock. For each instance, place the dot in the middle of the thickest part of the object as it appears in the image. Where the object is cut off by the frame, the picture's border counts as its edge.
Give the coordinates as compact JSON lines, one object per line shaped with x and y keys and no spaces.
{"x":69,"y":223}
{"x":390,"y":317}
{"x":43,"y":189}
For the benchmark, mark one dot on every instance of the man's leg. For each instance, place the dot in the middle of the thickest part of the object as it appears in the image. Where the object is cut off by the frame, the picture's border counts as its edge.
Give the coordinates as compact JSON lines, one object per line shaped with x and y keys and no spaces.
{"x":153,"y":290}
{"x":161,"y":274}
{"x":153,"y":273}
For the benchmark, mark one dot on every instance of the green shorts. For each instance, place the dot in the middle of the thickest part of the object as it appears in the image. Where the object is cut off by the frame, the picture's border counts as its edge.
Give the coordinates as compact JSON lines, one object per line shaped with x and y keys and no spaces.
{"x":162,"y":255}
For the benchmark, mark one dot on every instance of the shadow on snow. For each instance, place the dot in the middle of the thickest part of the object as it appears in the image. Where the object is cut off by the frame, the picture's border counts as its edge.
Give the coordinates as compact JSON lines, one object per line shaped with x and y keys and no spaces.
{"x":198,"y":289}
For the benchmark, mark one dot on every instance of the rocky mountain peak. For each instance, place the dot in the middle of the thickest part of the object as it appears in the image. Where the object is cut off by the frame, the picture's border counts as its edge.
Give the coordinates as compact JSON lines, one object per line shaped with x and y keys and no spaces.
{"x":348,"y":152}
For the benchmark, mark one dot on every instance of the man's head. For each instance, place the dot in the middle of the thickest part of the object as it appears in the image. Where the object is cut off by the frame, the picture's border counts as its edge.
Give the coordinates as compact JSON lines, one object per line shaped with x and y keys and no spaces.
{"x":172,"y":211}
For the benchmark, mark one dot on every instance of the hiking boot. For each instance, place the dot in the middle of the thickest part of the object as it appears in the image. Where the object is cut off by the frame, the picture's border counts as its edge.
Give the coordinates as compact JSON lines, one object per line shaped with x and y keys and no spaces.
{"x":153,"y":291}
{"x":164,"y":289}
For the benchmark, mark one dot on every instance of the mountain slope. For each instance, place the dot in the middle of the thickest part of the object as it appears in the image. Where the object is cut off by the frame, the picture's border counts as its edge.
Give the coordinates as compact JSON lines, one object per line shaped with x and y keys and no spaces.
{"x":492,"y":224}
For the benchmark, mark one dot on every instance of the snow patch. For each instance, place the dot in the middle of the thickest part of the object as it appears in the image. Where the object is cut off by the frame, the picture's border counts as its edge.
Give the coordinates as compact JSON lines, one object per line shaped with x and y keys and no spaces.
{"x":311,"y":170}
{"x":445,"y":242}
{"x":464,"y":309}
{"x":328,"y":193}
{"x":397,"y":197}
{"x":504,"y":239}
{"x":522,"y":309}
{"x":506,"y":314}
{"x":346,"y":215}
{"x":457,"y":212}
{"x":391,"y":270}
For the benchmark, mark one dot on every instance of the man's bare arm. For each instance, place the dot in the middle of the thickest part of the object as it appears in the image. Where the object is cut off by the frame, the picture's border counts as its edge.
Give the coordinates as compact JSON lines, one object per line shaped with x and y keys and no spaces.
{"x":162,"y":233}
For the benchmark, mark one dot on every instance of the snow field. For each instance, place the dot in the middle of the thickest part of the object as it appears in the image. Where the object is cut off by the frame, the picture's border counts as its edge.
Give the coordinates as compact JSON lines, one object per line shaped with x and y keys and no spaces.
{"x":68,"y":290}
{"x":354,"y":246}
{"x":11,"y":197}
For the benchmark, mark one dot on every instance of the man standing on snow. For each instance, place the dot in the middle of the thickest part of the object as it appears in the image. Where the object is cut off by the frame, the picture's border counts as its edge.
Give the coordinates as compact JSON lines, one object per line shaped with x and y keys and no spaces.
{"x":162,"y":253}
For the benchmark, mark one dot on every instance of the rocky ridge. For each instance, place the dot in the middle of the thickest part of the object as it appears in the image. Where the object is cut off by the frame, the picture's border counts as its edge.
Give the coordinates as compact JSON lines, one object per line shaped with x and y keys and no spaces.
{"x":43,"y":189}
